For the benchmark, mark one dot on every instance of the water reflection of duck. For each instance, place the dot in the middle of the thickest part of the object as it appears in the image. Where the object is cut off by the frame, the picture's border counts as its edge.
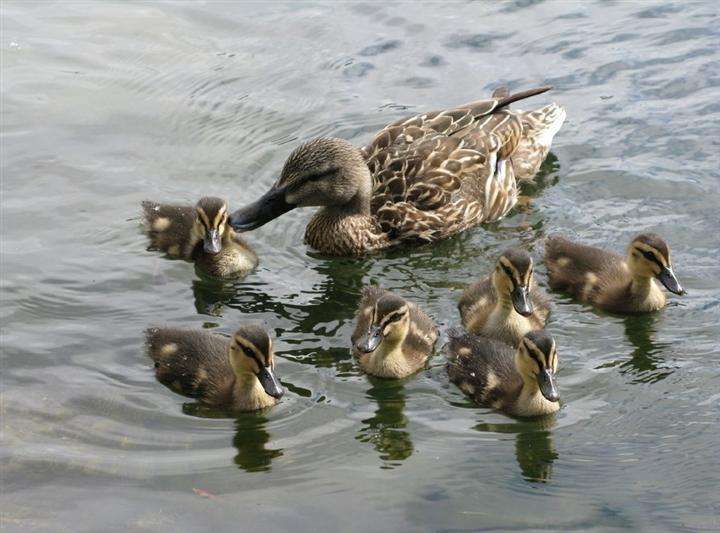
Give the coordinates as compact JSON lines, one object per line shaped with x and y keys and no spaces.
{"x":419,"y":180}
{"x":237,"y":374}
{"x":386,"y":429}
{"x":534,"y":445}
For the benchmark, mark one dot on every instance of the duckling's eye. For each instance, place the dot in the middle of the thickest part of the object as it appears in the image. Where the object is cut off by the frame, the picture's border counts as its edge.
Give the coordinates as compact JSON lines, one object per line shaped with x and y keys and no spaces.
{"x":248,"y":352}
{"x":395,"y":318}
{"x":649,"y":256}
{"x":507,"y":271}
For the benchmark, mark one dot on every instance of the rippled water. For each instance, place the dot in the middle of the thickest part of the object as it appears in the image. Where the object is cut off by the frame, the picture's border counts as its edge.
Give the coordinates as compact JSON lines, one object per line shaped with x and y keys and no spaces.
{"x":106,"y":104}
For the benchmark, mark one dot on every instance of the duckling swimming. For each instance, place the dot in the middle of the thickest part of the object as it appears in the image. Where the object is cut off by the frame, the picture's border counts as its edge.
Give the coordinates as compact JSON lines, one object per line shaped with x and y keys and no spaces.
{"x":507,"y":304}
{"x":200,"y":234}
{"x":517,"y":381}
{"x":393,"y":338}
{"x":609,"y":282}
{"x":236,"y":374}
{"x":419,"y":180}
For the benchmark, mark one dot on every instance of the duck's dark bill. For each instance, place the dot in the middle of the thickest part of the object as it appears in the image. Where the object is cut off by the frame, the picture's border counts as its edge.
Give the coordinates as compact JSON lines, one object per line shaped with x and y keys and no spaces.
{"x":667,"y":278}
{"x":521,"y":301}
{"x":368,"y":343}
{"x":212,"y":242}
{"x":270,"y":206}
{"x":547,"y":385}
{"x":270,"y":382}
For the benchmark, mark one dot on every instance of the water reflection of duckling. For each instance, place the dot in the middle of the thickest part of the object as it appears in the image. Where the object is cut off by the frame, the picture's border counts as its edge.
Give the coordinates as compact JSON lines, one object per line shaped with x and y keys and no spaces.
{"x":393,"y":338}
{"x":236,"y":374}
{"x":534,"y":445}
{"x":646,"y":361}
{"x":507,"y":304}
{"x":200,"y":234}
{"x":251,"y":441}
{"x":519,"y":382}
{"x":386,"y":428}
{"x":608,"y":281}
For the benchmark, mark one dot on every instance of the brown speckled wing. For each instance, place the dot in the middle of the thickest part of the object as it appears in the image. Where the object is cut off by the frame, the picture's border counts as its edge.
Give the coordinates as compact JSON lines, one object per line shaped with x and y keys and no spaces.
{"x":569,"y":265}
{"x":476,"y":303}
{"x":169,"y":227}
{"x":193,"y":363}
{"x":472,"y":360}
{"x":422,"y":335}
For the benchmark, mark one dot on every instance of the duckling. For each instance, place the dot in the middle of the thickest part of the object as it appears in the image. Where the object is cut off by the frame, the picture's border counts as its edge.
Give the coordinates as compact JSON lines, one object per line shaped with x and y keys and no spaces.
{"x":393,"y":338}
{"x":200,"y":234}
{"x":237,"y":374}
{"x":507,"y":304}
{"x":609,"y":282}
{"x":421,"y":179}
{"x":517,"y":381}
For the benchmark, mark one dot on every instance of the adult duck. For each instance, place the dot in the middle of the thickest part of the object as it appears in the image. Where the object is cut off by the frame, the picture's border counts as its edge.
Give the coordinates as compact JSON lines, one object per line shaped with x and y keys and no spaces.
{"x":421,"y":179}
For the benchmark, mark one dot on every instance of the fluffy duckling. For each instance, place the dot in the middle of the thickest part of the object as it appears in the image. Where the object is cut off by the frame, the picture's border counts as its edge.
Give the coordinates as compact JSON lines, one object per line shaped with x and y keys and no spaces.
{"x":393,"y":338}
{"x":507,"y":304}
{"x":517,"y":381}
{"x":236,"y":374}
{"x":608,"y":281}
{"x":200,"y":234}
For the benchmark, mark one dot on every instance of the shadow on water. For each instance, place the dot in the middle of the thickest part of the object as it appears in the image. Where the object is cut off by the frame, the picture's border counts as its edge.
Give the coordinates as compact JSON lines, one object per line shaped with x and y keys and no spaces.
{"x":645,"y":363}
{"x":251,"y":438}
{"x":534,"y":445}
{"x":385,"y":430}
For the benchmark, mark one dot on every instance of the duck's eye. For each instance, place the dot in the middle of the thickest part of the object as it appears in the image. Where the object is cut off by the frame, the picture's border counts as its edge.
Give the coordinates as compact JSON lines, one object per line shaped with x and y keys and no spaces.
{"x":316,"y":176}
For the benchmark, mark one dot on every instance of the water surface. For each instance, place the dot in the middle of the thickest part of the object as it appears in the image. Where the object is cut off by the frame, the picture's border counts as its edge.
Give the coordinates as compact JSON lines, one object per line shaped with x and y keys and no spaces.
{"x":106,"y":104}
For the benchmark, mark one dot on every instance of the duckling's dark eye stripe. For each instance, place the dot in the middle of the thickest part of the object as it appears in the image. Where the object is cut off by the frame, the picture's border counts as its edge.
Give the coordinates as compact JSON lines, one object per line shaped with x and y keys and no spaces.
{"x":652,"y":257}
{"x":509,"y":274}
{"x":394,"y":317}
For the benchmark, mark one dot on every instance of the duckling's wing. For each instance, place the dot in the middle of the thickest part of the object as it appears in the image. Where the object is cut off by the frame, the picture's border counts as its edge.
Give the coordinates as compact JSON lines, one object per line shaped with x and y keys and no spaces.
{"x":476,"y":303}
{"x":369,"y":296}
{"x":168,"y":227}
{"x":482,"y":368}
{"x":541,"y":304}
{"x":423,"y":331}
{"x":572,"y":266}
{"x":193,"y":363}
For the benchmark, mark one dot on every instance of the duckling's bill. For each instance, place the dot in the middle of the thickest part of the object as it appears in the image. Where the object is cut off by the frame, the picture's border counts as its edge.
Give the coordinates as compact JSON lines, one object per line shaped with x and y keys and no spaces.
{"x":669,"y":280}
{"x":212,"y":244}
{"x":270,"y":382}
{"x":521,"y":300}
{"x":369,"y":342}
{"x":546,"y":382}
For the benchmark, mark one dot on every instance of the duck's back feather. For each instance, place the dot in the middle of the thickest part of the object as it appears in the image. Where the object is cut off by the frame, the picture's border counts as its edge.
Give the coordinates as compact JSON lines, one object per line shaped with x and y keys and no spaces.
{"x":438,"y":173}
